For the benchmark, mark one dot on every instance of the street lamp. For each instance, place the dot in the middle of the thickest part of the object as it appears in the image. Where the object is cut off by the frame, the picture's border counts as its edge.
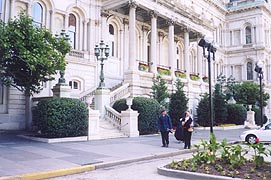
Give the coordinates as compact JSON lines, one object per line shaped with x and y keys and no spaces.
{"x":64,"y":35}
{"x":259,"y":70}
{"x":211,"y":48}
{"x":101,"y":52}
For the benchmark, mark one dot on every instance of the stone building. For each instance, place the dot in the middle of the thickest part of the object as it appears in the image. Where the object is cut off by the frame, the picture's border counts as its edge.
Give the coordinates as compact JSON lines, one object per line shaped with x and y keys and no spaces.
{"x":146,"y":38}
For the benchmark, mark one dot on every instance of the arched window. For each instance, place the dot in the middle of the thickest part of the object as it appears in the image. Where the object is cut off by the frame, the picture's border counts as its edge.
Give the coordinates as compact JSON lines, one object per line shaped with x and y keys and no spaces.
{"x":249,"y":71}
{"x":76,"y":85}
{"x":248,"y":35}
{"x":37,"y":14}
{"x":112,"y":39}
{"x":72,"y":30}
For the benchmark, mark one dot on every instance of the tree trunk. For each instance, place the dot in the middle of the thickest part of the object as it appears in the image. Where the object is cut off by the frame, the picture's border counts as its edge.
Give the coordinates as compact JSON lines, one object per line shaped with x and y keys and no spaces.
{"x":28,"y":113}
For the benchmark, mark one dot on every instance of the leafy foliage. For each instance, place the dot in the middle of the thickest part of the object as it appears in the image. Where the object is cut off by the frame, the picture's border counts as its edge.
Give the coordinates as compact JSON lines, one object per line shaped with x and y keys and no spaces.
{"x":249,"y":93}
{"x":29,"y":55}
{"x":237,"y":114}
{"x":203,"y":111}
{"x":178,"y":103}
{"x":220,"y":108}
{"x":148,"y":110}
{"x":61,"y":117}
{"x":159,"y":90}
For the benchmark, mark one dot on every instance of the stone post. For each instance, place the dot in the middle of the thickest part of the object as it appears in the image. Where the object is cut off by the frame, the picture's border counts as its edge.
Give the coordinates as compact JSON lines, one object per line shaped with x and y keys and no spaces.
{"x":129,"y":123}
{"x":61,"y":90}
{"x":102,"y":98}
{"x":250,"y":122}
{"x":93,"y":122}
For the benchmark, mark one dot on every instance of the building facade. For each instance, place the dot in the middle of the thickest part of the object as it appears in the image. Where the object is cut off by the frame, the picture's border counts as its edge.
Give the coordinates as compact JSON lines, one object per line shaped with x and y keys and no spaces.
{"x":146,"y":38}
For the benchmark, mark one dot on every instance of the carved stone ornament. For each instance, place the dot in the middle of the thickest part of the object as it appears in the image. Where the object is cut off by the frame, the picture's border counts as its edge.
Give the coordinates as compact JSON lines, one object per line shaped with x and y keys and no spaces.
{"x":170,"y":22}
{"x":153,"y":14}
{"x":132,"y":4}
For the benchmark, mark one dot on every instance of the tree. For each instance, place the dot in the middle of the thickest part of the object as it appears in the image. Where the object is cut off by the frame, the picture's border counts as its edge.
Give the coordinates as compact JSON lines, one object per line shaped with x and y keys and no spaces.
{"x":159,"y":90}
{"x":248,"y":93}
{"x":178,"y":102}
{"x":29,"y":55}
{"x":220,"y":104}
{"x":203,"y":111}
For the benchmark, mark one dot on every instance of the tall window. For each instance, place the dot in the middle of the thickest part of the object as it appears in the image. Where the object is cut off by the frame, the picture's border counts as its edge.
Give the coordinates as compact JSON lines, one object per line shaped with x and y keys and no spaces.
{"x":112,"y":39}
{"x":72,"y":30}
{"x":249,"y":71}
{"x":37,"y":14}
{"x":248,"y":35}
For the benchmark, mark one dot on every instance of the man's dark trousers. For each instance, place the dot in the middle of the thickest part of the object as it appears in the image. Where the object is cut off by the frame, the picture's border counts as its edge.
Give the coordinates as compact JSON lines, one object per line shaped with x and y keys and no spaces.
{"x":165,"y":140}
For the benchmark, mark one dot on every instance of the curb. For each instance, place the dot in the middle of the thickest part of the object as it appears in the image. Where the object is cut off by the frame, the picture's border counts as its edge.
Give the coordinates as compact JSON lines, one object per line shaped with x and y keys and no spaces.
{"x":51,"y":174}
{"x":190,"y":175}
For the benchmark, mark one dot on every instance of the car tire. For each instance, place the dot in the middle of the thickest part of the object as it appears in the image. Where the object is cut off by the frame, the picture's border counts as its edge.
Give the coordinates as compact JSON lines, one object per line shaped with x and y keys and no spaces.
{"x":252,"y":139}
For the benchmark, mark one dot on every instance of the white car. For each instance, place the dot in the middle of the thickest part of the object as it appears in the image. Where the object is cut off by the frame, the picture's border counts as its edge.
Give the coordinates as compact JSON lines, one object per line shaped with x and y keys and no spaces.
{"x":262,"y":134}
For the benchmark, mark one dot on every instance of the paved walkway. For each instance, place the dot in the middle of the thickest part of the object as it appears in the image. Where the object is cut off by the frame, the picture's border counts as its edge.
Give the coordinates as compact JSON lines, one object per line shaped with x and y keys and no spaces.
{"x":20,"y":156}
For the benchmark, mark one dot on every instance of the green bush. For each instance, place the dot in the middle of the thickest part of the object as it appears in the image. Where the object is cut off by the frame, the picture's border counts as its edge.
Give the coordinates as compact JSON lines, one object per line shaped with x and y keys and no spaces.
{"x":148,"y":110}
{"x":61,"y":117}
{"x":237,"y":114}
{"x":203,"y":111}
{"x":219,"y":101}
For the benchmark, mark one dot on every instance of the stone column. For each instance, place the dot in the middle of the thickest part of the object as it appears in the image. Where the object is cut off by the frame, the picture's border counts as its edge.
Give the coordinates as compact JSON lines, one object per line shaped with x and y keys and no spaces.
{"x":126,"y":46}
{"x":102,"y":98}
{"x":29,"y":9}
{"x":171,"y":49}
{"x":66,"y":22}
{"x":85,"y":24}
{"x":186,"y":52}
{"x":12,"y":8}
{"x":153,"y":65}
{"x":132,"y":35}
{"x":199,"y":57}
{"x":104,"y":31}
{"x":52,"y":14}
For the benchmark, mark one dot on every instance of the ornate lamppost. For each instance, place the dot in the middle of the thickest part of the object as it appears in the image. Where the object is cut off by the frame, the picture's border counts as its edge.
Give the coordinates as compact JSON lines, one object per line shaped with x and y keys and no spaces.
{"x":101,"y":52}
{"x":211,"y":48}
{"x":66,"y":37}
{"x":259,"y":70}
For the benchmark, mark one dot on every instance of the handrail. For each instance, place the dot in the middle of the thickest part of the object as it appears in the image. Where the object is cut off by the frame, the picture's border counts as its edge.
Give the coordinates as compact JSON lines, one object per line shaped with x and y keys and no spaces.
{"x":89,"y":92}
{"x":113,"y":116}
{"x":120,"y":92}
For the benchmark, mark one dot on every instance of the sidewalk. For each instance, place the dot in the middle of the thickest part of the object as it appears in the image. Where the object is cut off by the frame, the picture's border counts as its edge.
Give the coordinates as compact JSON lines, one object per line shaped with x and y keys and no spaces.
{"x":21,"y":156}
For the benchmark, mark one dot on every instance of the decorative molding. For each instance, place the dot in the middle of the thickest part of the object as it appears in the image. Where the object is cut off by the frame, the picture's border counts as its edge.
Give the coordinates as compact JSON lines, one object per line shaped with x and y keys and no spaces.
{"x":125,"y":21}
{"x":145,"y":28}
{"x":161,"y":34}
{"x":171,"y":22}
{"x":133,"y":4}
{"x":105,"y":13}
{"x":153,"y":14}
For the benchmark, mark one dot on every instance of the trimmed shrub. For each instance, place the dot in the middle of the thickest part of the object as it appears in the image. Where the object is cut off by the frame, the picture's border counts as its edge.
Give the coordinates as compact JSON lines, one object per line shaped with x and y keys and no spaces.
{"x":203,"y":111}
{"x":220,"y":108}
{"x":61,"y":117}
{"x":237,"y":114}
{"x":148,"y":110}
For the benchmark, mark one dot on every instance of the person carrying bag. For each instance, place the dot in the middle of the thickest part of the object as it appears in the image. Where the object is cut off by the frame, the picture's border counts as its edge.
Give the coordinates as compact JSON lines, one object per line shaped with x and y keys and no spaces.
{"x":187,"y":129}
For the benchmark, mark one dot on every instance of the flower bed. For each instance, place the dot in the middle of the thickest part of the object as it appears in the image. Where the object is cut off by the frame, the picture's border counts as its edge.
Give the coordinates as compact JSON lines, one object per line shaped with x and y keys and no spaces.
{"x":143,"y":67}
{"x":194,"y":77}
{"x":222,"y":159}
{"x":163,"y":71}
{"x":180,"y":74}
{"x":205,"y":79}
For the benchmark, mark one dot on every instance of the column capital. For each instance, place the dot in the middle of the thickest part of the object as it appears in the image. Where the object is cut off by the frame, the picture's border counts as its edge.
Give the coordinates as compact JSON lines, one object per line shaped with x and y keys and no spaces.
{"x":171,"y":22}
{"x":187,"y":29}
{"x":132,"y":4}
{"x":153,"y":14}
{"x":104,"y":13}
{"x":125,"y":21}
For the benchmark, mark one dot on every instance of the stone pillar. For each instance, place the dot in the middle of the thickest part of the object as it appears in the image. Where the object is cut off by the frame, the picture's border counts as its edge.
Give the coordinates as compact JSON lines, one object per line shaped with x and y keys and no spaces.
{"x":62,"y":90}
{"x":199,"y":58}
{"x":29,"y":9}
{"x":126,"y":46}
{"x":250,"y":122}
{"x":93,"y":122}
{"x":66,"y":22}
{"x":85,"y":24}
{"x":132,"y":35}
{"x":171,"y":49}
{"x":129,"y":123}
{"x":104,"y":31}
{"x":102,"y":98}
{"x":153,"y":65}
{"x":52,"y":14}
{"x":186,"y":53}
{"x":12,"y":8}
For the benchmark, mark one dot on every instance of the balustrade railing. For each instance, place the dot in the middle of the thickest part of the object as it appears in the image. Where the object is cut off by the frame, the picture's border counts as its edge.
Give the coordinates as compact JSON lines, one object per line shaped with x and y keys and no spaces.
{"x":121,"y":92}
{"x":91,"y":92}
{"x":75,"y":53}
{"x":113,"y":116}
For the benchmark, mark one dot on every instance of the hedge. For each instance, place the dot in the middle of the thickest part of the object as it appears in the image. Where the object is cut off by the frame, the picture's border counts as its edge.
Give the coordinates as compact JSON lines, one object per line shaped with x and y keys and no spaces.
{"x":148,"y":110}
{"x":237,"y":114}
{"x":61,"y":117}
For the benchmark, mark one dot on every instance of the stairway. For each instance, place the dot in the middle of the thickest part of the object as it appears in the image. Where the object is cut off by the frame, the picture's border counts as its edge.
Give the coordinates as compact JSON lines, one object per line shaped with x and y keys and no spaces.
{"x":107,"y":131}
